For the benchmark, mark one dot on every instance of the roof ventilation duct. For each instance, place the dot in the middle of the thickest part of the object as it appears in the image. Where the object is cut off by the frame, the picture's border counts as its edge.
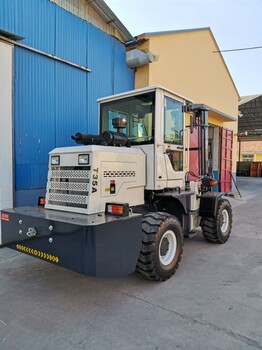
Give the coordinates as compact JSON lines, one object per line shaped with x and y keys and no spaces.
{"x":136,"y":58}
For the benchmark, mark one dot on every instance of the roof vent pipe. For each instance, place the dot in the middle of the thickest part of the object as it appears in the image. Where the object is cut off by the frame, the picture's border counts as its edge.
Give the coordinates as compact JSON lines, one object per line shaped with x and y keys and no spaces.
{"x":136,"y":58}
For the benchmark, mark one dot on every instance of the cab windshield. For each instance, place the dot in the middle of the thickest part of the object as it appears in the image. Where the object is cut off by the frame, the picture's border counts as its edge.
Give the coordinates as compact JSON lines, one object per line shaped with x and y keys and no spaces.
{"x":139,"y":113}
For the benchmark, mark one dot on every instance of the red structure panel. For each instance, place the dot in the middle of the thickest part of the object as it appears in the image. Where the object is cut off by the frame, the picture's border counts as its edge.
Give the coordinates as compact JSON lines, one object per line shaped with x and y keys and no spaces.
{"x":226,"y":159}
{"x":194,"y":153}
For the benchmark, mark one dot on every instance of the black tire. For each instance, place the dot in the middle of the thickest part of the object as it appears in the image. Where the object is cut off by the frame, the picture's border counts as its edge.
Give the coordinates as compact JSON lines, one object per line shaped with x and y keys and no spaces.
{"x":218,"y":229}
{"x":162,"y":246}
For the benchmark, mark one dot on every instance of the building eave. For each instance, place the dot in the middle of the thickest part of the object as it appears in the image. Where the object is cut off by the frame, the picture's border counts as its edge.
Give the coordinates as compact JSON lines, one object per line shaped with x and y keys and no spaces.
{"x":170,"y":32}
{"x":110,"y":18}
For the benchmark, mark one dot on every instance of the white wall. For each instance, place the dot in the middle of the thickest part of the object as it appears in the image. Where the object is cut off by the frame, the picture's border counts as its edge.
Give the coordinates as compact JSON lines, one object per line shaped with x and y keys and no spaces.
{"x":6,"y":127}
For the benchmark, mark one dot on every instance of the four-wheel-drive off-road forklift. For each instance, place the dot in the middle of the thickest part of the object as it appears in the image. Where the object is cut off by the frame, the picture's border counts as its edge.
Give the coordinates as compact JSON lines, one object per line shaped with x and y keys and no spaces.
{"x":124,"y":199}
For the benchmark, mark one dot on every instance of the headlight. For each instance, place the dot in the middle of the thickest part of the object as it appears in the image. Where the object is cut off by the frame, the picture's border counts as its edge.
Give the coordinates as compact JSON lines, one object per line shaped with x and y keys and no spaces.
{"x":83,"y":159}
{"x":55,"y":160}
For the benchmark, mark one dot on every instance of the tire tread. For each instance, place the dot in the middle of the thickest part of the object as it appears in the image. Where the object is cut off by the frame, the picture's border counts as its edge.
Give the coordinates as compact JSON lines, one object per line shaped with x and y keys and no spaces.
{"x":146,"y":265}
{"x":211,"y":226}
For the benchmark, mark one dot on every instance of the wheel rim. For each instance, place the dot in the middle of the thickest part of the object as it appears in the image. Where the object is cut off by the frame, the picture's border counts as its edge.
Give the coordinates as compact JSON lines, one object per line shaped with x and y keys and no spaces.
{"x":167,"y":247}
{"x":224,"y":221}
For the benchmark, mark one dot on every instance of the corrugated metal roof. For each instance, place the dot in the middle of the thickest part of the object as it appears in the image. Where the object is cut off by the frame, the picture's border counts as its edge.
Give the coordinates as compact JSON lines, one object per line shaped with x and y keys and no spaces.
{"x":33,"y":117}
{"x":100,"y":57}
{"x":70,"y":39}
{"x":250,"y":118}
{"x":71,"y":99}
{"x":97,"y":13}
{"x":122,"y":74}
{"x":35,"y":21}
{"x":245,"y":99}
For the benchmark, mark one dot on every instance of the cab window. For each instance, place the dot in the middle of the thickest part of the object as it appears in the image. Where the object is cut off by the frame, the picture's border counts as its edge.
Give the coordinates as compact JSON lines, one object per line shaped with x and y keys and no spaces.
{"x":139,"y":113}
{"x":173,"y":122}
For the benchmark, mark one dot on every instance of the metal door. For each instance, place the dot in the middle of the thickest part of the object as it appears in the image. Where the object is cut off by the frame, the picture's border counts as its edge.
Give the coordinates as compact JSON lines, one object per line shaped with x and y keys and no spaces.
{"x":226,"y":139}
{"x":6,"y":129}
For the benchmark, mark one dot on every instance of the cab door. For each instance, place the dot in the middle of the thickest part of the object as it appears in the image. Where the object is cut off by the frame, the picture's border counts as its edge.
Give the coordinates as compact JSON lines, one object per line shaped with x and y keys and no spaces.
{"x":174,"y":141}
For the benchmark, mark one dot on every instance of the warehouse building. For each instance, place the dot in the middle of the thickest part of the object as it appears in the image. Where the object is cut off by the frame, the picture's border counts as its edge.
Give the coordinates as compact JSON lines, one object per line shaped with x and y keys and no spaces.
{"x":250,"y":136}
{"x":56,"y":59}
{"x":190,"y":63}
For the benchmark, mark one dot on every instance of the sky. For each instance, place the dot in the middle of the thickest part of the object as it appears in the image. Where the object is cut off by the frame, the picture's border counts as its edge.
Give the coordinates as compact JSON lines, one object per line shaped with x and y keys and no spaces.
{"x":235,"y":24}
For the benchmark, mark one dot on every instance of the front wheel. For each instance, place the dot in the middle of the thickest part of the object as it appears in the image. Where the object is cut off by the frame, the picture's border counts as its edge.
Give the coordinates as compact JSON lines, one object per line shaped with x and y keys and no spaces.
{"x":162,"y":246}
{"x":218,"y":229}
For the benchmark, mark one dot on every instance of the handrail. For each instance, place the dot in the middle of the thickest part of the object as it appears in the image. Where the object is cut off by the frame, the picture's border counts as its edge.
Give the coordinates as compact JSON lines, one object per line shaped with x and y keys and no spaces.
{"x":186,"y":135}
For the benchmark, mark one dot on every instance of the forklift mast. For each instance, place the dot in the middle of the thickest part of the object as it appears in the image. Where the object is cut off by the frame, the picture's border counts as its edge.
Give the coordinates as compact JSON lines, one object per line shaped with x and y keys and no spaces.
{"x":199,"y":121}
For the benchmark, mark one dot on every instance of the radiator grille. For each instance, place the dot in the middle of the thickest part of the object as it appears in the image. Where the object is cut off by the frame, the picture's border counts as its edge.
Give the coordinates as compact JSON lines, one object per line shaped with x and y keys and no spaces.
{"x":68,"y":198}
{"x":71,"y":186}
{"x":69,"y":174}
{"x":68,"y":187}
{"x":119,"y":173}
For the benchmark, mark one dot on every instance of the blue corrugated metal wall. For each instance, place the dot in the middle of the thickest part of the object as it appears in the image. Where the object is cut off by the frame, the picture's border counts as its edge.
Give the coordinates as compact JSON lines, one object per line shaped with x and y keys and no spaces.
{"x":52,"y":100}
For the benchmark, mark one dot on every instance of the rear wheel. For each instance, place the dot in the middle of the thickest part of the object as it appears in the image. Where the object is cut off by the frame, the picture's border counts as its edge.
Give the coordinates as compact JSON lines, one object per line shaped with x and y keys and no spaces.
{"x":162,"y":246}
{"x":218,"y":229}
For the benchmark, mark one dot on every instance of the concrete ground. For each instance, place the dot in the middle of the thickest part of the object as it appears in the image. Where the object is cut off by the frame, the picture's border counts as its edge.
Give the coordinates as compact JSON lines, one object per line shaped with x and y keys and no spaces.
{"x":214,"y":301}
